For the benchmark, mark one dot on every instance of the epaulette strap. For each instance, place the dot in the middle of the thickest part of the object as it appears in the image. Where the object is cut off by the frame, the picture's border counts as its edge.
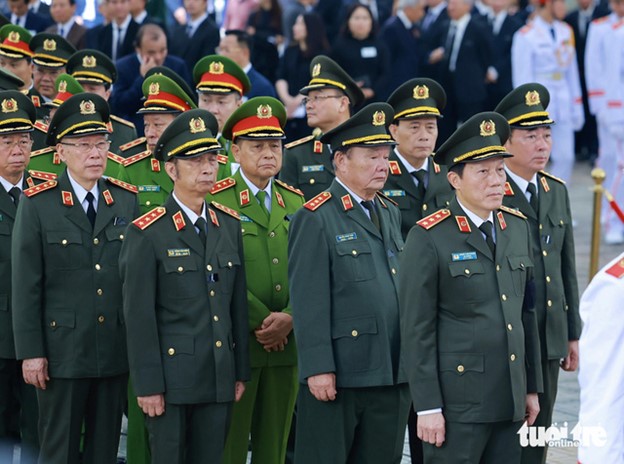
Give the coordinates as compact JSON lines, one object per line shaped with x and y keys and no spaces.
{"x":42,"y":151}
{"x":387,"y":198}
{"x":617,"y":270}
{"x":288,"y":187}
{"x":42,"y":175}
{"x":299,"y":141}
{"x":149,"y":218}
{"x":116,"y":158}
{"x":41,"y":126}
{"x":223,"y":185}
{"x":515,"y":212}
{"x":316,"y":202}
{"x":123,"y":185}
{"x":549,"y":175}
{"x":526,"y":29}
{"x":222,"y":159}
{"x":122,"y":121}
{"x":434,"y":219}
{"x":138,"y":157}
{"x":32,"y":191}
{"x":132,"y":143}
{"x":226,"y":210}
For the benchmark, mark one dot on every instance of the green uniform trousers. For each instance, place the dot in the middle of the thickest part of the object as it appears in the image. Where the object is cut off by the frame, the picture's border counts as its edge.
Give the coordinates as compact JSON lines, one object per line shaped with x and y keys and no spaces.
{"x":265,"y":411}
{"x":137,"y":443}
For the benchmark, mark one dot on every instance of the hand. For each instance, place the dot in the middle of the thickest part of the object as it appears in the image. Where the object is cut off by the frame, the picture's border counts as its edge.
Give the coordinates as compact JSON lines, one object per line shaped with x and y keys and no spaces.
{"x":532,"y":408}
{"x":148,"y":63}
{"x":571,"y":361}
{"x":436,"y":55}
{"x":274,"y":329}
{"x":431,"y":429}
{"x":153,"y":405}
{"x":323,"y":386}
{"x":239,"y":389}
{"x":35,"y":372}
{"x":368,"y":93}
{"x":491,"y":77}
{"x":279,"y":346}
{"x":180,"y":15}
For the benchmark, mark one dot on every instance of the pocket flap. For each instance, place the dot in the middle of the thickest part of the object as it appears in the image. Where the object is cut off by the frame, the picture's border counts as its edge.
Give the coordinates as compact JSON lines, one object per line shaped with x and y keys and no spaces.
{"x":179,"y":265}
{"x":64,"y":237}
{"x":461,"y":362}
{"x":353,"y":248}
{"x":61,"y":319}
{"x":354,"y":327}
{"x":228,"y":259}
{"x":177,"y":344}
{"x":115,"y":233}
{"x":465,"y":268}
{"x":519,"y":262}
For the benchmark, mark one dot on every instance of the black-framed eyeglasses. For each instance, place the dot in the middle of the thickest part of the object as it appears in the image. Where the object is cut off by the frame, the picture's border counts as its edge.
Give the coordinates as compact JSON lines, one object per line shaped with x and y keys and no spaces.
{"x":317,"y":98}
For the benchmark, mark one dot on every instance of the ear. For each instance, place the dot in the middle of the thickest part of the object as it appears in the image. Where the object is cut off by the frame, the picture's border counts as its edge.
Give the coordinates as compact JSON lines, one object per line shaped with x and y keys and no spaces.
{"x":454,"y":180}
{"x":60,"y":149}
{"x":394,"y":128}
{"x":236,"y":151}
{"x":171,"y":170}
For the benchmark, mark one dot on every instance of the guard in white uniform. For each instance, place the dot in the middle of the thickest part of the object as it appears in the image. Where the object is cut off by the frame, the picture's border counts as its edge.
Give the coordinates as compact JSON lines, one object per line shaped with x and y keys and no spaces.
{"x":543,"y":51}
{"x":601,"y":373}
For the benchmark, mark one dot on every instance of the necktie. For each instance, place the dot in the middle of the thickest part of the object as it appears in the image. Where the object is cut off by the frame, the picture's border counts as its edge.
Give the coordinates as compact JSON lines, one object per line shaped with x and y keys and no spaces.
{"x":261,"y":196}
{"x":374,"y":217}
{"x":15,"y":193}
{"x":533,"y":200}
{"x":552,"y":32}
{"x":189,"y":31}
{"x":486,"y":228}
{"x":427,"y":21}
{"x":61,"y":32}
{"x":421,"y":174}
{"x":201,"y":224}
{"x":450,"y":46}
{"x":90,"y":208}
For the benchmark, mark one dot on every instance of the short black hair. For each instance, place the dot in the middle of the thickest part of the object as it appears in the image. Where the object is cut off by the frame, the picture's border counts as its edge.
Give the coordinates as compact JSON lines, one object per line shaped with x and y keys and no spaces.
{"x":458,"y":169}
{"x":155,"y":31}
{"x":242,"y":37}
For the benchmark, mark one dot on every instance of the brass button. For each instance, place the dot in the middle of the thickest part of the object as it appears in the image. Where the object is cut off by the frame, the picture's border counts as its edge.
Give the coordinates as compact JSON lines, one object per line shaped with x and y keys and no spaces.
{"x":212,"y":293}
{"x":64,"y":242}
{"x":98,"y":267}
{"x":219,"y":344}
{"x":497,"y":267}
{"x":540,"y":227}
{"x":229,"y":264}
{"x":354,"y":252}
{"x":242,"y":230}
{"x":545,"y":253}
{"x":147,"y":203}
{"x":180,"y":269}
{"x":272,"y":234}
{"x":53,"y":324}
{"x":101,"y":319}
{"x":509,"y":327}
{"x":278,"y":288}
{"x":96,"y":241}
{"x":99,"y":291}
{"x":393,"y":270}
{"x":467,"y":271}
{"x":561,"y":222}
{"x":312,"y":181}
{"x":424,"y":207}
{"x":121,"y":237}
{"x":566,"y":307}
{"x":504,"y":297}
{"x":215,"y":318}
{"x":170,"y":351}
{"x":275,"y":261}
{"x":512,"y":357}
{"x":548,"y":279}
{"x":549,"y":303}
{"x":460,"y":368}
{"x":354,"y":333}
{"x":209,"y":268}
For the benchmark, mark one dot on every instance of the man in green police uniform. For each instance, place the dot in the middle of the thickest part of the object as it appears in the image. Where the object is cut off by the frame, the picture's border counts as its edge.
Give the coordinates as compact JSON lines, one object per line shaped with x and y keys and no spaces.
{"x":67,"y":317}
{"x":468,"y":323}
{"x":185,"y":304}
{"x":164,"y":101}
{"x":17,"y":116}
{"x":330,"y":96}
{"x":416,"y":183}
{"x":544,"y":200}
{"x":97,"y":73}
{"x":265,"y":205}
{"x":221,"y":85}
{"x":344,"y":248}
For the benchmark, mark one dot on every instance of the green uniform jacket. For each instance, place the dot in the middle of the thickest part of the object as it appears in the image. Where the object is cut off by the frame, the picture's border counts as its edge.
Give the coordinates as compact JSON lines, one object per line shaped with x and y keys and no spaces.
{"x":185,"y":306}
{"x":307,"y":166}
{"x":39,"y":135}
{"x":401,"y":188}
{"x":469,"y":336}
{"x":225,"y":160}
{"x":557,"y":296}
{"x":343,"y":276}
{"x":66,"y":287}
{"x":265,"y":241}
{"x":147,"y":173}
{"x":38,"y":101}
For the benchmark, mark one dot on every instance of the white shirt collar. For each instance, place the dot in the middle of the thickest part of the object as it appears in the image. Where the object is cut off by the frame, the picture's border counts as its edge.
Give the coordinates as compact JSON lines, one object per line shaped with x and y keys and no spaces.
{"x":356,"y":197}
{"x":408,"y":166}
{"x":194,"y":23}
{"x":66,"y":26}
{"x":81,"y":192}
{"x":255,"y":190}
{"x":522,"y":183}
{"x":189,"y":212}
{"x":247,"y":68}
{"x":462,"y":22}
{"x":140,"y":17}
{"x":8,"y":185}
{"x":476,"y":219}
{"x":404,"y":19}
{"x":436,"y":10}
{"x":123,"y":26}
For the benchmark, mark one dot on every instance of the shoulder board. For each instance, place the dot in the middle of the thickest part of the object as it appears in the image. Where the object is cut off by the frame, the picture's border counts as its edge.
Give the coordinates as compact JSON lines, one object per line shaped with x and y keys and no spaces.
{"x":434,"y":219}
{"x":526,"y":29}
{"x":288,"y":187}
{"x":149,"y":218}
{"x":41,"y":126}
{"x":43,"y":151}
{"x":600,"y":20}
{"x":317,"y":201}
{"x":42,"y":175}
{"x":617,"y":270}
{"x":223,"y":185}
{"x":32,"y":191}
{"x":544,"y":173}
{"x":35,"y":100}
{"x":122,"y":184}
{"x":386,"y":197}
{"x":122,"y":121}
{"x":618,"y":25}
{"x":138,"y":157}
{"x":299,"y":142}
{"x":116,"y":158}
{"x":222,"y":159}
{"x":133,"y":143}
{"x":226,"y":210}
{"x":515,"y":212}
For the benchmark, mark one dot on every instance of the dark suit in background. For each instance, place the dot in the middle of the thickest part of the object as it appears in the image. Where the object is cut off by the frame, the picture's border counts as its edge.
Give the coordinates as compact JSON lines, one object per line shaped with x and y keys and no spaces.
{"x":501,"y":58}
{"x":203,"y":42}
{"x":34,"y":22}
{"x":101,"y":38}
{"x":405,"y":50}
{"x":260,"y":85}
{"x":430,"y":28}
{"x":42,"y":9}
{"x":77,"y":35}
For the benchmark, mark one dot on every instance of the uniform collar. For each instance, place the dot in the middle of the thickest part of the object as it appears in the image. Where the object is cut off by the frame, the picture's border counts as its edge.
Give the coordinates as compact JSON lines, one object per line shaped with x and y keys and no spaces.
{"x":189,"y":212}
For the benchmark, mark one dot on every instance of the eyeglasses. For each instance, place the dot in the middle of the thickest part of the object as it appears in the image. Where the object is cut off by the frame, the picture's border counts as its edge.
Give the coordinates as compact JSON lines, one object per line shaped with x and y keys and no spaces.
{"x":319,"y":98}
{"x":23,"y":145}
{"x":85,"y":147}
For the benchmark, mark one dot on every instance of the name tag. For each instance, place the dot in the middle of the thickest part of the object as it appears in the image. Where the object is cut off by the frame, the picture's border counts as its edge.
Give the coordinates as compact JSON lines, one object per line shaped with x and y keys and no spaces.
{"x":177,"y":252}
{"x":313,"y":168}
{"x":394,"y":193}
{"x":244,"y":218}
{"x":346,"y":237}
{"x":369,"y":52}
{"x":465,"y":256}
{"x":149,"y":188}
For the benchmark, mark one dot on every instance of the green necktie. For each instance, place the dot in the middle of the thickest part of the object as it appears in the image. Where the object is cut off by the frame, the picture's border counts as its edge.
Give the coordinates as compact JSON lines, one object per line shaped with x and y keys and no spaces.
{"x":486,"y":228}
{"x":533,"y":200}
{"x":374,"y":217}
{"x":261,"y":196}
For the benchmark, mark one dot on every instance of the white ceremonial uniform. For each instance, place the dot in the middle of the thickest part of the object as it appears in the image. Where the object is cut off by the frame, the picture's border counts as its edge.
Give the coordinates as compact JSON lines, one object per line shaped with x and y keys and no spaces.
{"x":545,"y":53}
{"x":601,"y":371}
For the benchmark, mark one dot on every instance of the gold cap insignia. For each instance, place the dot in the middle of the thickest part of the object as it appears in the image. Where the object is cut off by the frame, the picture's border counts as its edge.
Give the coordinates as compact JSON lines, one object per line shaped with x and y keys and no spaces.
{"x":532,"y":98}
{"x":89,"y":61}
{"x":216,"y":67}
{"x":487,"y":128}
{"x":316,"y":70}
{"x":197,"y":125}
{"x":62,"y":88}
{"x":49,"y":45}
{"x":87,"y":107}
{"x":9,"y":105}
{"x":264,"y":112}
{"x":13,"y":36}
{"x":421,"y":92}
{"x":154,"y":88}
{"x":379,"y":118}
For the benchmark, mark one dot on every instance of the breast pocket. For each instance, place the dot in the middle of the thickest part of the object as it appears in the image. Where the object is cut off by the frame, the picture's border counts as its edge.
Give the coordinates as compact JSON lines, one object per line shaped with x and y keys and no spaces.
{"x":114,"y":238}
{"x":520,"y":266}
{"x":558,"y":226}
{"x":354,"y":262}
{"x":316,"y":178}
{"x":356,"y":344}
{"x":65,"y":249}
{"x":60,"y":328}
{"x":467,"y":276}
{"x":250,"y":240}
{"x":5,"y":237}
{"x":229,"y":266}
{"x":461,"y":378}
{"x":179,"y":279}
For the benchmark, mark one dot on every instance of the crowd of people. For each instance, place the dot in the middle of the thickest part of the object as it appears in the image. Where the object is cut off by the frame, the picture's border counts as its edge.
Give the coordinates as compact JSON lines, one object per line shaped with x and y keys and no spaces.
{"x":294,"y":228}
